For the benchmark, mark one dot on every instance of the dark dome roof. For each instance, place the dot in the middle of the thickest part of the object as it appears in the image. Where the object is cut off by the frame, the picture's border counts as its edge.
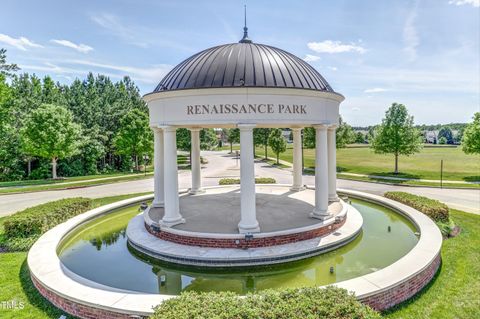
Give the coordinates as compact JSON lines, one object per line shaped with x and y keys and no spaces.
{"x":243,"y":64}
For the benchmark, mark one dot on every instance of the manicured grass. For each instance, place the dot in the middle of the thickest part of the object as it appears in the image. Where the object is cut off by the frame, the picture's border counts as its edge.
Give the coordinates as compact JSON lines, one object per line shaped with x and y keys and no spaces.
{"x":53,"y":186}
{"x":81,"y":181}
{"x":454,"y":291}
{"x":424,"y":165}
{"x":452,"y":294}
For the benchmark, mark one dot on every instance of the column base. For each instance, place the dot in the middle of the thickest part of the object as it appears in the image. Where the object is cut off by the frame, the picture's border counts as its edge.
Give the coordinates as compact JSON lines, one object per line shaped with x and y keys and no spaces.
{"x":243,"y":229}
{"x":333,"y":198}
{"x":171,"y":223}
{"x":158,"y":204}
{"x":297,"y":188}
{"x":321,"y":214}
{"x":196,"y":191}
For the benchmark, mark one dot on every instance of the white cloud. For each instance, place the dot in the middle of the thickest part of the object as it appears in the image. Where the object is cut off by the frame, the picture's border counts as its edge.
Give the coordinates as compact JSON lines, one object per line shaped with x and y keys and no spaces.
{"x":311,"y":58}
{"x":79,"y":47}
{"x":333,"y":68}
{"x":150,"y":75}
{"x":410,"y":35}
{"x":475,"y":3}
{"x":113,"y":25}
{"x":329,"y":46}
{"x":21,"y":43}
{"x":355,"y":109}
{"x":375,"y":90}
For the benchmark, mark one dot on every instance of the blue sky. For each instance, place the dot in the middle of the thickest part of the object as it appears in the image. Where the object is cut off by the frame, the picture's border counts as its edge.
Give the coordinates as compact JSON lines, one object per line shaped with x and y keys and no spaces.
{"x":422,"y":53}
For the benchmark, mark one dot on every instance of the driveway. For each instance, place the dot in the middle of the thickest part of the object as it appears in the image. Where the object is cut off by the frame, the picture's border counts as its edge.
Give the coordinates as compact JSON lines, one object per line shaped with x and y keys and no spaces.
{"x":222,"y":165}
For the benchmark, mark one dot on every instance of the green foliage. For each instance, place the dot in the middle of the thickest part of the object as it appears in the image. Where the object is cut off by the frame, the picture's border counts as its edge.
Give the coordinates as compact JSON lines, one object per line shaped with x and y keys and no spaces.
{"x":49,"y":132}
{"x":442,"y":140}
{"x":258,"y":180}
{"x":471,"y":136}
{"x":344,"y":135}
{"x":396,"y":135}
{"x":277,"y":142}
{"x":32,"y":222}
{"x":447,"y":134}
{"x":184,"y":139}
{"x":359,"y":138}
{"x":233,"y":136}
{"x":208,"y":139}
{"x":260,"y":137}
{"x":432,"y":208}
{"x":134,"y":137}
{"x":6,"y":70}
{"x":308,"y":303}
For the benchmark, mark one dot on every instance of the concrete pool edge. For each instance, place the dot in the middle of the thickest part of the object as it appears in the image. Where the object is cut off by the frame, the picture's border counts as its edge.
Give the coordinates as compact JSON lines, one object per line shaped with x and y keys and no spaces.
{"x":381,"y":289}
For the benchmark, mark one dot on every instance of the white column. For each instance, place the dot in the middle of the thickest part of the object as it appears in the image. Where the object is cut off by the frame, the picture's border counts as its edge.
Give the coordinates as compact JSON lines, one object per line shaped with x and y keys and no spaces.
{"x":332,"y":164}
{"x":158,"y":177}
{"x":172,"y":215}
{"x":248,"y":222}
{"x":195,"y":162}
{"x":321,"y":173}
{"x":297,"y":159}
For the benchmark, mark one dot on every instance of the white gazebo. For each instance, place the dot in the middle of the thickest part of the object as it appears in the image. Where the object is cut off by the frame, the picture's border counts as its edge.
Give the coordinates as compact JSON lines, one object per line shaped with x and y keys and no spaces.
{"x":242,"y":85}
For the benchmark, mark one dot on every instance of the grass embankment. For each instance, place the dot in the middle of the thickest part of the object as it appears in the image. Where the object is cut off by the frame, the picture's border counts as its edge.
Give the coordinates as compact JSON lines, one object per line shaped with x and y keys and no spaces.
{"x":26,"y":186}
{"x":452,"y":294}
{"x":457,"y":166}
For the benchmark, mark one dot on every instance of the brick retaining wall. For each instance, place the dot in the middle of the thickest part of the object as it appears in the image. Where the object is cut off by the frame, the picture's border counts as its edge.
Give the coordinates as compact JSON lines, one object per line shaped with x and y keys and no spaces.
{"x":77,"y":309}
{"x":395,"y":295}
{"x":243,"y":243}
{"x":379,"y":301}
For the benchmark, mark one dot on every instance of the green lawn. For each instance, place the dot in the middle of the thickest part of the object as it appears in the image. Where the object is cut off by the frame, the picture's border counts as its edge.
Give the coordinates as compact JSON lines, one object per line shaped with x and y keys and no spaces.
{"x":452,"y":294}
{"x":80,"y":181}
{"x":424,"y":165}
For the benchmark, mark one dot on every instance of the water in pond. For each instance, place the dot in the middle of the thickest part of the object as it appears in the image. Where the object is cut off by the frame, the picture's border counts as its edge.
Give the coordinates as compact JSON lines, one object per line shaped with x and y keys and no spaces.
{"x":99,"y":252}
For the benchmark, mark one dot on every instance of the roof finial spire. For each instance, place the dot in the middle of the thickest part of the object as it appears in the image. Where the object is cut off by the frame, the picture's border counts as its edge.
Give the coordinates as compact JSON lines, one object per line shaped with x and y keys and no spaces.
{"x":245,"y":38}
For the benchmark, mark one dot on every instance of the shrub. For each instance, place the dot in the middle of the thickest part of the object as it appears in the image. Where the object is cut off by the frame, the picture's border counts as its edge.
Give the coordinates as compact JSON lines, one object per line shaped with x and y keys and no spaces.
{"x":37,"y":220}
{"x":259,"y":180}
{"x":432,"y":208}
{"x":309,"y":303}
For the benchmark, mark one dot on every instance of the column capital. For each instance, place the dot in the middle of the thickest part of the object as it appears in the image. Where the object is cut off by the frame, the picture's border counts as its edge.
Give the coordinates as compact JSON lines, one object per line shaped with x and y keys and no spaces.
{"x":246,"y":127}
{"x":296,"y":129}
{"x":167,"y":128}
{"x":321,"y":127}
{"x":332,"y":127}
{"x":194,"y":129}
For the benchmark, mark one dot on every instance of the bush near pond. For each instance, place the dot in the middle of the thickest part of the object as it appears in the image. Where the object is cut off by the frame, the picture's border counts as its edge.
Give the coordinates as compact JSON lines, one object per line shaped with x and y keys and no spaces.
{"x":306,"y":303}
{"x":434,"y":209}
{"x":259,"y":180}
{"x":22,"y":229}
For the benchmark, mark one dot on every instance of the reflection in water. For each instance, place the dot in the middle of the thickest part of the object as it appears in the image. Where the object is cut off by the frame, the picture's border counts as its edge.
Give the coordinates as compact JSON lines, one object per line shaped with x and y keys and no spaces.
{"x":107,"y":239}
{"x":99,"y":251}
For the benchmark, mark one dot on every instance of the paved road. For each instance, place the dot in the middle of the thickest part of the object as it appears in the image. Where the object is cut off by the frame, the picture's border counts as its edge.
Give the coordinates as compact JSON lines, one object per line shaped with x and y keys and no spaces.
{"x":221,"y":165}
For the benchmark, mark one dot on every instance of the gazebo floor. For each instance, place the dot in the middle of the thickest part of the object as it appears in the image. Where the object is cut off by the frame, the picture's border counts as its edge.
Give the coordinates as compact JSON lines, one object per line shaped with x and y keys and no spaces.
{"x":217,"y":210}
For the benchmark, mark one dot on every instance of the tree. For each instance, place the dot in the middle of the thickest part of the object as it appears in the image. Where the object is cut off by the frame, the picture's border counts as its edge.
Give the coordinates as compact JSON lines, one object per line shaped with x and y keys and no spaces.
{"x":344,"y":135}
{"x":442,"y":140}
{"x":233,"y":136}
{"x":260,"y":137}
{"x":277,"y":142}
{"x":134,"y":137}
{"x":471,"y":136}
{"x":359,"y":138}
{"x":446,"y":132}
{"x":396,"y":135}
{"x":50,"y":132}
{"x":7,"y":70}
{"x":208,"y":139}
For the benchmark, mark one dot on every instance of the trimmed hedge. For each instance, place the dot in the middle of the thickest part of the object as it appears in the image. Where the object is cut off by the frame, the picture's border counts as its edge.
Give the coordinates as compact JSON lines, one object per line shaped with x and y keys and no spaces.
{"x":34,"y":221}
{"x":434,"y":209}
{"x":259,"y":180}
{"x":305,"y":303}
